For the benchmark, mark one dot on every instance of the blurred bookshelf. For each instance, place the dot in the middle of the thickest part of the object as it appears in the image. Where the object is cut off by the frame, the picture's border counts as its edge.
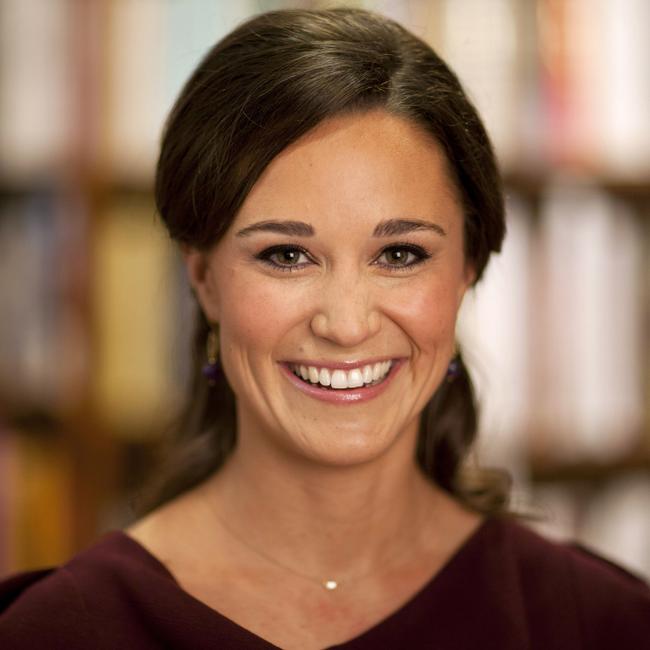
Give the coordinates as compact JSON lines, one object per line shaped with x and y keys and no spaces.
{"x":96,"y":309}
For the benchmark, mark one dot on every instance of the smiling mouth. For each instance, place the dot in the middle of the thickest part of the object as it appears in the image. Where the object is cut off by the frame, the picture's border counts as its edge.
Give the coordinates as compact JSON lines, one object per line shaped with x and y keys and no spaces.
{"x":334,"y":380}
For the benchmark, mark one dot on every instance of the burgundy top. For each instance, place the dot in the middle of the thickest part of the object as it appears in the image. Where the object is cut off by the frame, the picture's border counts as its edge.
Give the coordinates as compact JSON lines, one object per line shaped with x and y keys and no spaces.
{"x":506,"y":588}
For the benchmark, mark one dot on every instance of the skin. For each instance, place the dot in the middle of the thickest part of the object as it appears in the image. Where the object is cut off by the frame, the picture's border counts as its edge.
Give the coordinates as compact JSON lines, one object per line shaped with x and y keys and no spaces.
{"x":331,"y":490}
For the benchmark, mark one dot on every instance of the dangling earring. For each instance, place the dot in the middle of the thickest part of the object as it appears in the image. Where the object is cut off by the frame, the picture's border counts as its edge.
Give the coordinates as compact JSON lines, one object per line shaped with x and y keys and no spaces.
{"x":454,"y":368}
{"x":211,"y":369}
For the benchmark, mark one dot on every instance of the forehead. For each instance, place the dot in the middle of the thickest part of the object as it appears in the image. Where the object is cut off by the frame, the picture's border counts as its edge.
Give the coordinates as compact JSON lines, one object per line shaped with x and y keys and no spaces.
{"x":356,"y":169}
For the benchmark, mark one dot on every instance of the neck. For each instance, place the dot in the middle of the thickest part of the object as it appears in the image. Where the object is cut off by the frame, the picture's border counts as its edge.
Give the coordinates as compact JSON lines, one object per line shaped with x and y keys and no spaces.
{"x":326,"y":521}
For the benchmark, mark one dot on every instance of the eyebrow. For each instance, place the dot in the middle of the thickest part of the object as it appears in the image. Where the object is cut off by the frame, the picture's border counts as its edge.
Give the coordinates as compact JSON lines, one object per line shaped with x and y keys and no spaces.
{"x":296,"y":228}
{"x":383,"y":229}
{"x":402,"y":226}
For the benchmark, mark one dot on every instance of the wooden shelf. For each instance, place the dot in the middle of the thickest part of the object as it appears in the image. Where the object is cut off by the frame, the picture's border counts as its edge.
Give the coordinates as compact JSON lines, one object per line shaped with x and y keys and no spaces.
{"x":544,"y":470}
{"x":534,"y":184}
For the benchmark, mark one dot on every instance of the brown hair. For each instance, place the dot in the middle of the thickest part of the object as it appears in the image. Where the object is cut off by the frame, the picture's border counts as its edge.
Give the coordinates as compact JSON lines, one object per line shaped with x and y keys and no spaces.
{"x":259,"y":89}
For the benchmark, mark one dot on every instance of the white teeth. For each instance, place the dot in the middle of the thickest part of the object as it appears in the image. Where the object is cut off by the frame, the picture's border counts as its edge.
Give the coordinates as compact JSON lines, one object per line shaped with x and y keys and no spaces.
{"x":340,"y":379}
{"x":355,"y":378}
{"x":324,"y":377}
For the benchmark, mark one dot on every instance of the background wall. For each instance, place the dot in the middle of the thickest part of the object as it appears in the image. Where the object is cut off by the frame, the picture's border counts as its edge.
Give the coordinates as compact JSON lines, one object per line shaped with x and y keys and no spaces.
{"x":96,"y":313}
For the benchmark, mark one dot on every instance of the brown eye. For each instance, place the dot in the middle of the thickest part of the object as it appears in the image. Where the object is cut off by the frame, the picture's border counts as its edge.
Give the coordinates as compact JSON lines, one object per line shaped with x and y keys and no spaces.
{"x":403,"y":257}
{"x":288,"y":256}
{"x":397,"y":255}
{"x":284,"y":258}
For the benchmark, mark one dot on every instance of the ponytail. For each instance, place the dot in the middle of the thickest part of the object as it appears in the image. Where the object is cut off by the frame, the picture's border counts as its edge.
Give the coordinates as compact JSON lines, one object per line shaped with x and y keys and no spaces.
{"x":448,"y":428}
{"x":200,"y":440}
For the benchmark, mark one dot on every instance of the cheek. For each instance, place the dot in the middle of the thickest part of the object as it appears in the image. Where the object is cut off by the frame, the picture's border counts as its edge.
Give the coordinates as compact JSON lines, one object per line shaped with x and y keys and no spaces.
{"x":256,"y":312}
{"x":427,"y":312}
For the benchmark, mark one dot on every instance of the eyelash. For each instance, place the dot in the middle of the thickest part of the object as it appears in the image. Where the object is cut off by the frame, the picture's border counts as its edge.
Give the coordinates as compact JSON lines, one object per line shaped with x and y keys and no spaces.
{"x":265,"y":256}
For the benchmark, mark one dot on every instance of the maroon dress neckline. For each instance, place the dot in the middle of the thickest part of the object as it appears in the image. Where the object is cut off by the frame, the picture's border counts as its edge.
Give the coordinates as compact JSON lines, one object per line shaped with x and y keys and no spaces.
{"x":505,"y":588}
{"x":422,"y":595}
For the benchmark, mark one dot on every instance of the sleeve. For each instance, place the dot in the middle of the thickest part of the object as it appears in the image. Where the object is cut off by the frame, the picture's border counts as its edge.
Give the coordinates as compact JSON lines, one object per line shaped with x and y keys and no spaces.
{"x":43,"y":609}
{"x":613,"y":604}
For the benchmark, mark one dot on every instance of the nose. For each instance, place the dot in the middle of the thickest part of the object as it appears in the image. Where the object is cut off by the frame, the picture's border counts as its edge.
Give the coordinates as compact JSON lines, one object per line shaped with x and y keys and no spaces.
{"x":346,"y":313}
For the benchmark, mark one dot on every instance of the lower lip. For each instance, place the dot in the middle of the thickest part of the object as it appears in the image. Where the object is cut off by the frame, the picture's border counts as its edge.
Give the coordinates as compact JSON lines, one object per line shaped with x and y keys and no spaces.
{"x":343,"y":396}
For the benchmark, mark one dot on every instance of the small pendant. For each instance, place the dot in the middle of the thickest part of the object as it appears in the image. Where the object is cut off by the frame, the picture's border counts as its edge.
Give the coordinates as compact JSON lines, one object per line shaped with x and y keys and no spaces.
{"x":330,"y":584}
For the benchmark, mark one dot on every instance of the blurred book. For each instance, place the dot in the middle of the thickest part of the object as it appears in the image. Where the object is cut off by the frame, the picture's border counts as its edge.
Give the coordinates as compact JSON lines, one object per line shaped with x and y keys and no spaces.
{"x":589,"y":340}
{"x":595,"y":58}
{"x":37,"y":114}
{"x":36,"y":499}
{"x":192,"y":27}
{"x":44,"y":338}
{"x":482,"y":43}
{"x":134,"y":88}
{"x":494,"y":331}
{"x":135,"y":301}
{"x":8,"y":486}
{"x":151,"y":49}
{"x":29,"y":298}
{"x":424,"y":19}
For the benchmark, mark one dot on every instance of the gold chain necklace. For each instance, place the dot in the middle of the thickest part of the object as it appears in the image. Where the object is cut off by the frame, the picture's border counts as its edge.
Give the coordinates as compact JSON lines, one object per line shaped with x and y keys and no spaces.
{"x":329,"y":584}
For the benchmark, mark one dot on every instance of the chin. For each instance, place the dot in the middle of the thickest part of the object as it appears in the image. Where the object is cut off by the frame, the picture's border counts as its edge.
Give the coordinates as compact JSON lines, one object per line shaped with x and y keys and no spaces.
{"x":347,"y":449}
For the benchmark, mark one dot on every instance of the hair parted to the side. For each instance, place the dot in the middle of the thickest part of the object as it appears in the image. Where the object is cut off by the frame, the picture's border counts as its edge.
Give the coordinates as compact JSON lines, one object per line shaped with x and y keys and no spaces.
{"x":268,"y":82}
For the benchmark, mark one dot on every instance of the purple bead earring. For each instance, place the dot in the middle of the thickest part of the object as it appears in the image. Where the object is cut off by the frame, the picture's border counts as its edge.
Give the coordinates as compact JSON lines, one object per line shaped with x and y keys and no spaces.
{"x":211,"y":370}
{"x":454,"y":368}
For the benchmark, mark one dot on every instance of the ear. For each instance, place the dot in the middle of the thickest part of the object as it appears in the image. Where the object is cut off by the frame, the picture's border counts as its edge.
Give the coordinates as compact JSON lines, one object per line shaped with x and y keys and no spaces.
{"x":469,"y":277}
{"x":201,"y":280}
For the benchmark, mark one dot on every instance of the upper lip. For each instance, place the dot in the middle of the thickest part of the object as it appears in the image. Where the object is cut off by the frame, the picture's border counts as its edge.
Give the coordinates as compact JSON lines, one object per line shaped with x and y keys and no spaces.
{"x":339,"y":365}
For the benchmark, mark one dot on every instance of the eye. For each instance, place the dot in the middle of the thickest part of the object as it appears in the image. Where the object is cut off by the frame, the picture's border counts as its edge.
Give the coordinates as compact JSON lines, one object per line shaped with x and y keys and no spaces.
{"x":403,"y":256}
{"x":287,"y":258}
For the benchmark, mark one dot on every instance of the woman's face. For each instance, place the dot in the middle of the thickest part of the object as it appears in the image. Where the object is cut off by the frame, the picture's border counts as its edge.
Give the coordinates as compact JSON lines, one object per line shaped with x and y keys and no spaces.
{"x":348,"y":252}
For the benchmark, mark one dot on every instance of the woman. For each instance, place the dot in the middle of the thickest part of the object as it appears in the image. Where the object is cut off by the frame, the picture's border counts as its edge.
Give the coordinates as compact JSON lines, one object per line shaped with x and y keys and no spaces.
{"x":335,"y":195}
